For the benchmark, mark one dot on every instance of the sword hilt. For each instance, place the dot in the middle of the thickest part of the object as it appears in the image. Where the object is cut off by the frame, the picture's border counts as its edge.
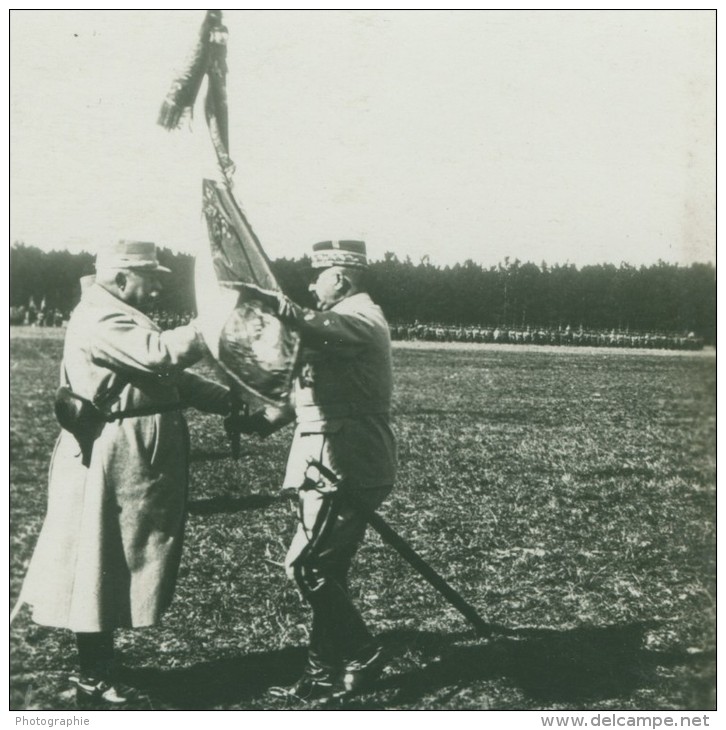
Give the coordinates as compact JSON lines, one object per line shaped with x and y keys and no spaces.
{"x":389,"y":535}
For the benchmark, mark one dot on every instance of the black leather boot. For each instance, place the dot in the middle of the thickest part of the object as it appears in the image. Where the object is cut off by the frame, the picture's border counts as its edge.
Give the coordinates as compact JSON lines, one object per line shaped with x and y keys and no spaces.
{"x":318,"y":682}
{"x":361,"y":672}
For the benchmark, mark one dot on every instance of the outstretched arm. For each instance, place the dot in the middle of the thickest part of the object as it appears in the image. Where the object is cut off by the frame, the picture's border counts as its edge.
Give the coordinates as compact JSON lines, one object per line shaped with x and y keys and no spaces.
{"x":121,"y":344}
{"x":320,"y":329}
{"x":203,"y":394}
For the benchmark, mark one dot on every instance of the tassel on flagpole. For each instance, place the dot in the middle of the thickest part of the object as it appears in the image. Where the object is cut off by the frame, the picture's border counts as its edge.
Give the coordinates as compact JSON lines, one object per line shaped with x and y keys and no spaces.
{"x":257,"y":351}
{"x":184,"y":89}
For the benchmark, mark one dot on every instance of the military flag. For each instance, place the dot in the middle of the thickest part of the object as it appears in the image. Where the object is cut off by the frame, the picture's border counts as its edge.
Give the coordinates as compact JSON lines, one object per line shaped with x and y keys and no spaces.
{"x":256,"y":351}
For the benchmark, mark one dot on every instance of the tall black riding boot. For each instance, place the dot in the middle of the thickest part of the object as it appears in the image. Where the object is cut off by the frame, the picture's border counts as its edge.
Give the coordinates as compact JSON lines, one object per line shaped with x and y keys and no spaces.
{"x":338,"y":630}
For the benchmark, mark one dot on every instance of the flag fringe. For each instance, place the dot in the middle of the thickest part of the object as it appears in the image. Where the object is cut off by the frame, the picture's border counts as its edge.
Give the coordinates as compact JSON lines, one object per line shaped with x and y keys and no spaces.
{"x":171,"y":114}
{"x":185,"y":88}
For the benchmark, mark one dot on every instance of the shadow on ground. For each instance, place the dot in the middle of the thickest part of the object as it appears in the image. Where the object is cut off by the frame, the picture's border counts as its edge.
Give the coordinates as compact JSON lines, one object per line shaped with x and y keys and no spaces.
{"x":223,"y":683}
{"x":547,"y":667}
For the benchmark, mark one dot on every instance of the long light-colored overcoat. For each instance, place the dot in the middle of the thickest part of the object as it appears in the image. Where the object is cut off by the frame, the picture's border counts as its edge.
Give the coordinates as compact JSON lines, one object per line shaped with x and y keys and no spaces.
{"x":110,"y":546}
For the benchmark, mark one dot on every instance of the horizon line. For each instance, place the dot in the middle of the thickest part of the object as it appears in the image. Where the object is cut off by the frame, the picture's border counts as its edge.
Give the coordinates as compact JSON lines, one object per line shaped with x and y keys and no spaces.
{"x":425,"y":259}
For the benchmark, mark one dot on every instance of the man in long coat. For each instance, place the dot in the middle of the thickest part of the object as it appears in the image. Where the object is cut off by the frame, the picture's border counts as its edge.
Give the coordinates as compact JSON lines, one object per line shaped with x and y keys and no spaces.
{"x":342,"y":400}
{"x":110,"y":546}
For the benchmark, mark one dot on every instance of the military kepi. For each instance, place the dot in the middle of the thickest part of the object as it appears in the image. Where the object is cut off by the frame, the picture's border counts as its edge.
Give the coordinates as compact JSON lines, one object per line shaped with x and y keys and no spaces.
{"x":130,"y":255}
{"x":339,"y":253}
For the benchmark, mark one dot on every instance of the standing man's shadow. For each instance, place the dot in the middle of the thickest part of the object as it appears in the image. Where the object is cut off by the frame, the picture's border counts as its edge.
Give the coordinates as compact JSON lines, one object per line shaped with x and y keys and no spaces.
{"x":547,"y":666}
{"x":219,"y":684}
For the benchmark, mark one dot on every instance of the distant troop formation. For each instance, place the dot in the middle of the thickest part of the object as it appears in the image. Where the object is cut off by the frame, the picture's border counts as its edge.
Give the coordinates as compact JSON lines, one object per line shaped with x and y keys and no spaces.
{"x":546,"y":336}
{"x":564,"y":336}
{"x":31,"y":315}
{"x":34,"y":316}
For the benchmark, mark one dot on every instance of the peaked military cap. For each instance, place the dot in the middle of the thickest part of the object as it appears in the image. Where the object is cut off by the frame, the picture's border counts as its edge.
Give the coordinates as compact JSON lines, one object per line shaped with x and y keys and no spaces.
{"x":130,"y":255}
{"x":339,"y":253}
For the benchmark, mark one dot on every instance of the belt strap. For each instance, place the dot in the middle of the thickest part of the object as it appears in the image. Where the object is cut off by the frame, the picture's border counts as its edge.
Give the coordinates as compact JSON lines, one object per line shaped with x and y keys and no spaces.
{"x":131,"y":412}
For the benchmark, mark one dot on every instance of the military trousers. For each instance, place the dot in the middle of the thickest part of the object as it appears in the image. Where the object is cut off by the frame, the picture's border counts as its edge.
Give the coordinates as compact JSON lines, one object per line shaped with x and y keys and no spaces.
{"x":328,"y":535}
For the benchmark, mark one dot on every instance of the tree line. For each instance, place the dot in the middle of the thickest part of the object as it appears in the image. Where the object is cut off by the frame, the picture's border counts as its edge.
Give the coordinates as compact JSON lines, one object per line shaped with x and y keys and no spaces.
{"x":658,"y":298}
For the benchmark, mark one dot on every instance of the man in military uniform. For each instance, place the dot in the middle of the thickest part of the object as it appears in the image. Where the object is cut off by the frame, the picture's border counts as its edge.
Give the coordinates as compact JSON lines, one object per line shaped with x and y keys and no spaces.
{"x":108,"y":553}
{"x":341,"y":402}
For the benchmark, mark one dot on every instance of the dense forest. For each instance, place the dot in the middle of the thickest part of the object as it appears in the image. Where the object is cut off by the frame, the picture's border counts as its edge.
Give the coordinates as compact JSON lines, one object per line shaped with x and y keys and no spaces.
{"x":658,"y":298}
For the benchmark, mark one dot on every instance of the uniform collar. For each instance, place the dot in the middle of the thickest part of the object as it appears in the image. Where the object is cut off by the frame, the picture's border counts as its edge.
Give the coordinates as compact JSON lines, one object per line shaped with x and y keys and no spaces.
{"x":352,"y":300}
{"x":98,"y":296}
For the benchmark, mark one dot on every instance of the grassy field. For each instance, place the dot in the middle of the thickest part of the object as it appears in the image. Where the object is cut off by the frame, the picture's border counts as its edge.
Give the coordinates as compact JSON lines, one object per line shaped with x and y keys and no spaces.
{"x":569,"y":495}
